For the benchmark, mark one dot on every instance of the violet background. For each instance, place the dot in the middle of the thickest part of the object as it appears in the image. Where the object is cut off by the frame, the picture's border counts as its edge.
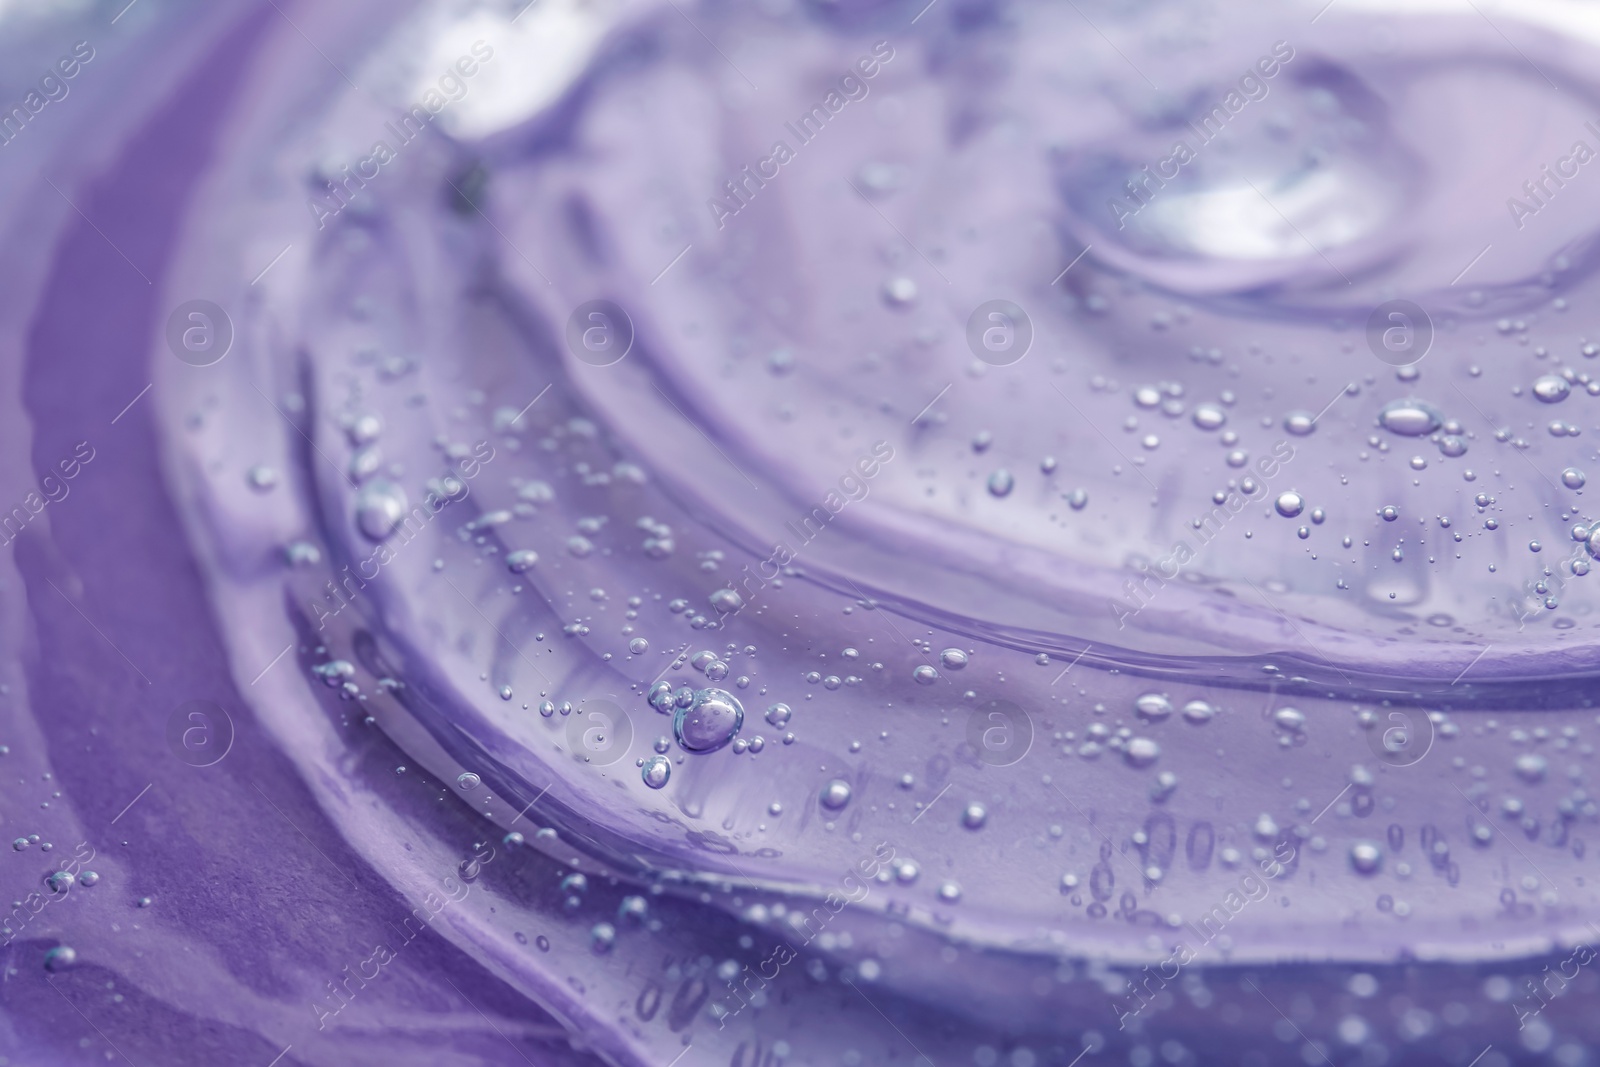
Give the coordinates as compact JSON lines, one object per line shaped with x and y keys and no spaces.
{"x":257,"y":893}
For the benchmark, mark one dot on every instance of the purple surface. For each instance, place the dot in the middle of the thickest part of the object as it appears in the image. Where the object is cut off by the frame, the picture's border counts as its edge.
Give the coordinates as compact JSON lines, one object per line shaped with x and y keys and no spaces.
{"x":430,"y":839}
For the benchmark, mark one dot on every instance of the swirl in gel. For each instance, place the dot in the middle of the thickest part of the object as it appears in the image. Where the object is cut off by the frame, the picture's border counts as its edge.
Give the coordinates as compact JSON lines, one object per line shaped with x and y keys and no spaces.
{"x":804,"y":532}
